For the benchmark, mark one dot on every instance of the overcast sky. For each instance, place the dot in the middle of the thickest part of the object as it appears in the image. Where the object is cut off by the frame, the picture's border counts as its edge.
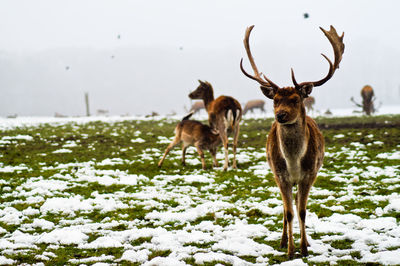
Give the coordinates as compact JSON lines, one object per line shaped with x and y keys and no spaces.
{"x":141,"y":56}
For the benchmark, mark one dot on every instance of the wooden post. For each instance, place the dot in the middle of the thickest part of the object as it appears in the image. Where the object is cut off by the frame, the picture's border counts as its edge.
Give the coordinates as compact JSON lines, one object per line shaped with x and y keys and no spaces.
{"x":87,"y":103}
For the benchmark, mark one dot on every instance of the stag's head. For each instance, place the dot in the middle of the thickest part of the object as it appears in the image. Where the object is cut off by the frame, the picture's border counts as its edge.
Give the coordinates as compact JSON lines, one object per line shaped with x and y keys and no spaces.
{"x":288,"y":101}
{"x":204,"y":90}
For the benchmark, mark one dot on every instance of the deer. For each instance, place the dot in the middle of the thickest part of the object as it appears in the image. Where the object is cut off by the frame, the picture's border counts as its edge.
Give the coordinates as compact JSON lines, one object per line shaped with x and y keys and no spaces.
{"x":191,"y":132}
{"x":196,"y":107}
{"x":254,"y":104}
{"x":224,"y":115}
{"x":309,"y":103}
{"x":295,"y":145}
{"x":368,"y":98}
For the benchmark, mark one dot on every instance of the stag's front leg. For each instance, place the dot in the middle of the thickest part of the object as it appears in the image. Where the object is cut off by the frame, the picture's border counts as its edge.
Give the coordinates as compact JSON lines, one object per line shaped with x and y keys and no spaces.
{"x":301,"y":204}
{"x":288,"y":213}
{"x":235,"y":141}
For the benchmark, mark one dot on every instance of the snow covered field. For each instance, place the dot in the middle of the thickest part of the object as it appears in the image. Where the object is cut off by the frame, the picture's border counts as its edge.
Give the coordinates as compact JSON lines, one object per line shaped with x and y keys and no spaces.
{"x":81,"y":191}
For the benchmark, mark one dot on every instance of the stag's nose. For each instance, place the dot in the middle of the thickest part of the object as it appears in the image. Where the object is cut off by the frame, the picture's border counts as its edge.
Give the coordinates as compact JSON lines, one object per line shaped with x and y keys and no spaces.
{"x":281,"y":117}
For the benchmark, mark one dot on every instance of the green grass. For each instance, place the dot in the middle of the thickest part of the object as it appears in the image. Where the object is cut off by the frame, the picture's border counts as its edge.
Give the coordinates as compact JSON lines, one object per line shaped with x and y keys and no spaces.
{"x":97,"y":141}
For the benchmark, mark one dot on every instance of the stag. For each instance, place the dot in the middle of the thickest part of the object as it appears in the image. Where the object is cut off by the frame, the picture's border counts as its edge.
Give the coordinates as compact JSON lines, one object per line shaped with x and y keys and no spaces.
{"x":295,"y":145}
{"x":309,"y":103}
{"x":191,"y":132}
{"x":254,"y":104}
{"x":368,"y":98}
{"x":224,"y":115}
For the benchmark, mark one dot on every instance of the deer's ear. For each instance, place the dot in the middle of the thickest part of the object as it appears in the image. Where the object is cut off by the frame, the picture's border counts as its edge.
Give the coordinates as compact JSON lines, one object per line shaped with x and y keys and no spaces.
{"x":306,"y":90}
{"x":268,"y":92}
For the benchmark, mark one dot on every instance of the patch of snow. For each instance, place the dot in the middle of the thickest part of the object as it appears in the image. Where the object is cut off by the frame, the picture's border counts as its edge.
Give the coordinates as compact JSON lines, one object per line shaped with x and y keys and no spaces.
{"x":138,"y":140}
{"x":62,"y":151}
{"x":390,"y":156}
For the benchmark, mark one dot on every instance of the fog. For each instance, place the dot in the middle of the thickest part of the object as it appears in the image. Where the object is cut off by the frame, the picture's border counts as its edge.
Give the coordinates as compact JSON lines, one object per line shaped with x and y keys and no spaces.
{"x":135,"y":57}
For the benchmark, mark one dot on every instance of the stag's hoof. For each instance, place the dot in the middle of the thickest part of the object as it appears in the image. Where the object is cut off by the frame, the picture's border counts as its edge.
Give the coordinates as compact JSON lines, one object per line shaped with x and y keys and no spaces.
{"x":304,"y":249}
{"x":304,"y":252}
{"x":284,"y":242}
{"x":290,"y":255}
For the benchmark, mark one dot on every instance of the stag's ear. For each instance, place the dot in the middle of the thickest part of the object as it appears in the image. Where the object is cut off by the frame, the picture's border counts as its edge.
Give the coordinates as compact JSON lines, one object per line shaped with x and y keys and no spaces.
{"x":201,"y":82}
{"x":268,"y":92}
{"x":306,"y":90}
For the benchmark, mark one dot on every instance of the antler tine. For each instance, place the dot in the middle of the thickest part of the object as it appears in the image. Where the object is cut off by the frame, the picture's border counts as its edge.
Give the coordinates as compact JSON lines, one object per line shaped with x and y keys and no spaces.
{"x":273,"y":85}
{"x":338,"y":50}
{"x":337,"y":44}
{"x":250,"y":76}
{"x":256,"y":76}
{"x":294,"y":79}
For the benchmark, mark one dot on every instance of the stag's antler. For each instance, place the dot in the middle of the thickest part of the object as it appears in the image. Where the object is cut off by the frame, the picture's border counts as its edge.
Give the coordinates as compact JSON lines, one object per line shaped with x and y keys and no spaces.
{"x":338,"y":49}
{"x":357,"y":104}
{"x":264,"y":83}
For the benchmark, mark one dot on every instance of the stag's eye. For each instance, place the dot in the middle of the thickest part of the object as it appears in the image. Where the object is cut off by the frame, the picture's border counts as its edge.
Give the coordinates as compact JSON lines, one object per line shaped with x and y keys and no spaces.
{"x":295,"y":101}
{"x":276,"y":101}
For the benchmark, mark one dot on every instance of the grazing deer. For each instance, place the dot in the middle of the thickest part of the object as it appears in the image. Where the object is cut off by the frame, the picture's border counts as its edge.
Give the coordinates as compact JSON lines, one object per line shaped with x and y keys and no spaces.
{"x":191,"y":132}
{"x":295,"y":145}
{"x":102,"y":112}
{"x":309,"y":103}
{"x":254,"y":104}
{"x":224,"y":115}
{"x":196,"y":107}
{"x":368,"y":98}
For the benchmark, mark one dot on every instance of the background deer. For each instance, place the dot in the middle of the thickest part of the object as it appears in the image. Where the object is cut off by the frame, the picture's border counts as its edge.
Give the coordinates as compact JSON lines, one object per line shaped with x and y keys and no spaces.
{"x":309,"y":103}
{"x":368,"y":98}
{"x":295,"y":145}
{"x":254,"y":104}
{"x":224,"y":115}
{"x":191,"y":132}
{"x":196,"y":107}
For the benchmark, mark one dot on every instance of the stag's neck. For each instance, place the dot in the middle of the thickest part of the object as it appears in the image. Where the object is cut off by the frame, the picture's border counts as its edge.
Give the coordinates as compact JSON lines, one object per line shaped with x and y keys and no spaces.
{"x":293,"y":139}
{"x":293,"y":142}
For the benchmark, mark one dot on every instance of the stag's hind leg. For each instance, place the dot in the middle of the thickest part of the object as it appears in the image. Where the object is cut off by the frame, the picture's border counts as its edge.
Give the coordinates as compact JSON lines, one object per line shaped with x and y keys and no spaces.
{"x":169,"y":148}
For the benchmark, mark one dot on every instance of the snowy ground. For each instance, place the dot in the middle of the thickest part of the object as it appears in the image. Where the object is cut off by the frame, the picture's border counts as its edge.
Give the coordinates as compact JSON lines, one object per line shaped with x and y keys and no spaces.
{"x":9,"y":123}
{"x":189,"y":217}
